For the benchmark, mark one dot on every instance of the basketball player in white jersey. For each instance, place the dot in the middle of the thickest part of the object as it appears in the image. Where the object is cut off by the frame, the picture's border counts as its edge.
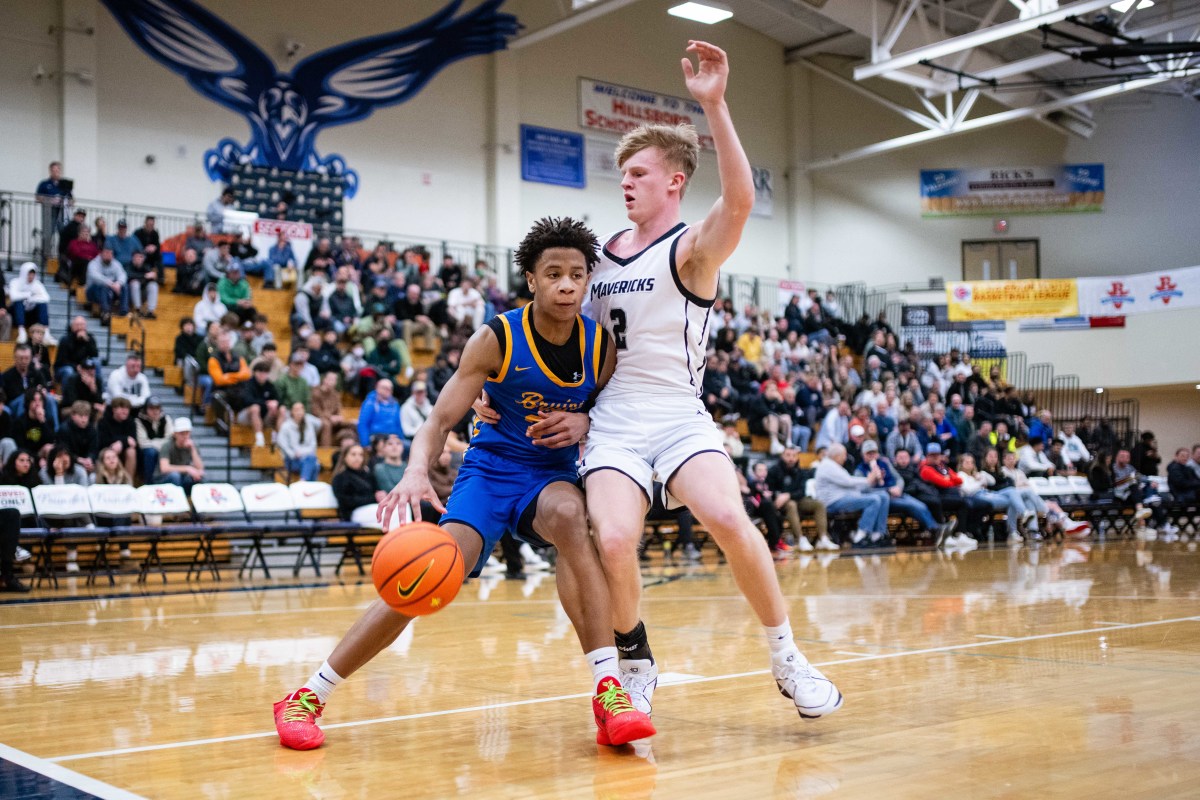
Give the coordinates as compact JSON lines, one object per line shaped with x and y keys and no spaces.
{"x":652,"y":290}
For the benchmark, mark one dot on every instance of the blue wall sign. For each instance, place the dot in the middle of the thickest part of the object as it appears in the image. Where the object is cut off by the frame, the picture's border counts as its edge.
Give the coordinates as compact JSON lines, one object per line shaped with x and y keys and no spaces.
{"x":552,"y":156}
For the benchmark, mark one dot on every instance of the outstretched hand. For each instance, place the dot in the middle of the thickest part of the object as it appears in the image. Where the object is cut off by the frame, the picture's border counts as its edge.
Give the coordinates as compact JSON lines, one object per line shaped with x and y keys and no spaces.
{"x":406,"y":498}
{"x":707,"y":81}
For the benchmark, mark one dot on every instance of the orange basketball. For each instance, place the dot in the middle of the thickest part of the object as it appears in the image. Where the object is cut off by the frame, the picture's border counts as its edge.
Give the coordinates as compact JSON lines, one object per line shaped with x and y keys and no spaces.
{"x":417,"y":568}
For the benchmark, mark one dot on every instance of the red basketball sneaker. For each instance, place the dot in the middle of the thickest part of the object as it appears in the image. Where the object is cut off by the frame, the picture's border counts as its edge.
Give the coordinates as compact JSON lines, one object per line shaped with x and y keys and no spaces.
{"x":616,"y":718}
{"x":296,"y":720}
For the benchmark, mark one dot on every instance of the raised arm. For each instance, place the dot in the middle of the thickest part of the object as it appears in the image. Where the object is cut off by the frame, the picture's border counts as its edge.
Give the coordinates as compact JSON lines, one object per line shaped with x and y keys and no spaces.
{"x":480,"y":358}
{"x":705,"y":247}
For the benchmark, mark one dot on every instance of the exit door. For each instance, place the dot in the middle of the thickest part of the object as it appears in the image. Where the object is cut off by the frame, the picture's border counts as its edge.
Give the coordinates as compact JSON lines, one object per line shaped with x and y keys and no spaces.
{"x":1000,"y":260}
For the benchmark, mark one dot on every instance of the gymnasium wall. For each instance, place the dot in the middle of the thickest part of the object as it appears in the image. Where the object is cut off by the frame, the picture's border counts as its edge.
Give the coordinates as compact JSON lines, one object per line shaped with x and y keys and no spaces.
{"x":864,"y":216}
{"x":444,"y":164}
{"x":1172,"y":412}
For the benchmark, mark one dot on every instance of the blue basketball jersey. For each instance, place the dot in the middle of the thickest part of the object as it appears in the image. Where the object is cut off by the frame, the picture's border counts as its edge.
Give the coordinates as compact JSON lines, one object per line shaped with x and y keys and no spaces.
{"x":525,"y":385}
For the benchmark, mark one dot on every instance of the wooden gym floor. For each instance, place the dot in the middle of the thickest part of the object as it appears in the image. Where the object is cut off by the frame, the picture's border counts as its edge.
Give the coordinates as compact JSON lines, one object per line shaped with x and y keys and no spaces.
{"x":1050,"y":673}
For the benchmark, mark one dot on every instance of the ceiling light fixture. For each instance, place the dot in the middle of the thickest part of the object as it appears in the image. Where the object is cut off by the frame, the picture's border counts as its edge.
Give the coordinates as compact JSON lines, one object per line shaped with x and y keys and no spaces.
{"x":1124,"y":5}
{"x":707,"y":11}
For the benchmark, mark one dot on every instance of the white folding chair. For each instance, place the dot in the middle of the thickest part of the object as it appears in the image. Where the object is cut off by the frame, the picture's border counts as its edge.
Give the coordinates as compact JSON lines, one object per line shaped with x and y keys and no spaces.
{"x":215,"y":500}
{"x":40,"y":541}
{"x":1080,"y":487}
{"x":61,"y":503}
{"x":1042,"y":487}
{"x":1059,"y":484}
{"x":312,"y":496}
{"x":167,"y":499}
{"x":110,"y":501}
{"x":363,"y":525}
{"x":262,"y":499}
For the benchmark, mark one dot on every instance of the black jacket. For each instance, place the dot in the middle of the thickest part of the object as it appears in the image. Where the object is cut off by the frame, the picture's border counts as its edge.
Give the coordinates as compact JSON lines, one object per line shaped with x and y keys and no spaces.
{"x":353,"y":488}
{"x":253,"y":393}
{"x":110,"y":430}
{"x":73,"y":349}
{"x":1184,"y":482}
{"x":82,"y":442}
{"x":782,"y":478}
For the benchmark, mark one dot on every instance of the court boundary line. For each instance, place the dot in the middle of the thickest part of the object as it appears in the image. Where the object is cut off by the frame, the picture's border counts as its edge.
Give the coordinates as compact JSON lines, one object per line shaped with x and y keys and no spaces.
{"x":539,"y":700}
{"x":65,"y":775}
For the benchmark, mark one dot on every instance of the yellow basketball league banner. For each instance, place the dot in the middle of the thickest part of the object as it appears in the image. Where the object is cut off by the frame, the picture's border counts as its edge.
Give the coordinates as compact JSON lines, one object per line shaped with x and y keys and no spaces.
{"x":984,"y":300}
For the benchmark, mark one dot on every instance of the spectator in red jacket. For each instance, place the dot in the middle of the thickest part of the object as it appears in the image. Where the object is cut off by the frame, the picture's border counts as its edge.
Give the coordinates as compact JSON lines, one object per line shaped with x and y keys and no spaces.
{"x":970,"y":512}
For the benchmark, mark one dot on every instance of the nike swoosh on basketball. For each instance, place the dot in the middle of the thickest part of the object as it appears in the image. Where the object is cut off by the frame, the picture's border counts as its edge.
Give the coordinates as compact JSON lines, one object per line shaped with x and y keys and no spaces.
{"x":406,"y":591}
{"x":520,"y":369}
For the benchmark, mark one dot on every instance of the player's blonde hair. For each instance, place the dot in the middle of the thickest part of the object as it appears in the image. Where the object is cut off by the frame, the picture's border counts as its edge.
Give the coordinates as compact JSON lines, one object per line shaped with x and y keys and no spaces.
{"x":679,"y":144}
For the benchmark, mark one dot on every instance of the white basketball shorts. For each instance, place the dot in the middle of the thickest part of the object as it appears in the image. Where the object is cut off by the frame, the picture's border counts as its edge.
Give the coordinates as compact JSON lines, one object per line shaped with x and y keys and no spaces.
{"x":649,"y":439}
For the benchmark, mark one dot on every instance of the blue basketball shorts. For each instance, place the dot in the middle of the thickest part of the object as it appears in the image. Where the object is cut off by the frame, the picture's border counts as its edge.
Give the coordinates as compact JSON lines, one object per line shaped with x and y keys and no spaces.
{"x":494,"y":495}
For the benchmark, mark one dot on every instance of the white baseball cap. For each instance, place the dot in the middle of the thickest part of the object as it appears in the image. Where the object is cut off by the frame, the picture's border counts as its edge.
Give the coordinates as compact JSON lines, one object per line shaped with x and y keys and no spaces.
{"x":183,"y":425}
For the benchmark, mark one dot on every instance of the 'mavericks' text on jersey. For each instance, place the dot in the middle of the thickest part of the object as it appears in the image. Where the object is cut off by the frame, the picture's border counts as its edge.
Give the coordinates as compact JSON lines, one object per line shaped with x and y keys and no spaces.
{"x":660,"y":328}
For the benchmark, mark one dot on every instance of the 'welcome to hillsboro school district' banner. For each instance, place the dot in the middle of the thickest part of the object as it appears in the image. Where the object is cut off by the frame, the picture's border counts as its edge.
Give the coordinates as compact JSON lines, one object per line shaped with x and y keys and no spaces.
{"x":617,"y":109}
{"x":1121,"y":295}
{"x":972,"y":300}
{"x":1012,"y":190}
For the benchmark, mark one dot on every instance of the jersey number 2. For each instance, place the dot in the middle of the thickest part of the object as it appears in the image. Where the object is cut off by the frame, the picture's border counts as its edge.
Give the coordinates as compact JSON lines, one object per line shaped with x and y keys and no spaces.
{"x":618,"y":330}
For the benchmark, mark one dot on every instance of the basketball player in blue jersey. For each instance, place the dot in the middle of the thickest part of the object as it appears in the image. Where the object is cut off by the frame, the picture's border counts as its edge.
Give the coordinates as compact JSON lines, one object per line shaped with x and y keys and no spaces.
{"x":653,"y":289}
{"x":542,"y":364}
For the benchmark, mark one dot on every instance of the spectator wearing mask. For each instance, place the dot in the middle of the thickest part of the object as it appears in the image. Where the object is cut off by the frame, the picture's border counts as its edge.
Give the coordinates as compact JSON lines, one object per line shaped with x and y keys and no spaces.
{"x":297,"y":440}
{"x":257,"y":403}
{"x":129,"y":382}
{"x":179,"y":461}
{"x":106,"y":285}
{"x":154,"y":428}
{"x":842,"y":492}
{"x":380,"y":413}
{"x":30,"y":301}
{"x":353,"y":483}
{"x":787,"y":479}
{"x":78,"y":345}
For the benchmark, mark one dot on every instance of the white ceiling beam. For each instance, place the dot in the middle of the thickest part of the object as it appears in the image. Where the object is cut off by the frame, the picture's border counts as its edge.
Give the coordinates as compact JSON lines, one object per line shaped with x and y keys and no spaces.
{"x":904,"y":13}
{"x":991,"y":120}
{"x":977,"y":38}
{"x":908,"y":113}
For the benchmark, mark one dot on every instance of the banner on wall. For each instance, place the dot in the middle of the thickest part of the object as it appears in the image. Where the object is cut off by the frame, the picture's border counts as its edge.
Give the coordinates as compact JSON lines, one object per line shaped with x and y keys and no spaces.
{"x":931,"y":330}
{"x":764,"y":192}
{"x":1005,"y":190}
{"x":554,"y":157}
{"x":786,"y":290}
{"x":265,"y":233}
{"x":1121,"y":295}
{"x":613,"y":108}
{"x":994,"y":300}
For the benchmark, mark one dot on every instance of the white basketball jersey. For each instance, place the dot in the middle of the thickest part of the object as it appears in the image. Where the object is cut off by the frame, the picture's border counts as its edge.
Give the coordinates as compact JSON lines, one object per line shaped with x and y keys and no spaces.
{"x":660,"y":328}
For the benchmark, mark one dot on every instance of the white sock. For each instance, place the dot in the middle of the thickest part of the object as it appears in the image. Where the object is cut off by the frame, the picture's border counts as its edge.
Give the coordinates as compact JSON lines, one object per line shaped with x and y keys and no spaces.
{"x":779,"y":638}
{"x":323,"y":682}
{"x":603,"y":663}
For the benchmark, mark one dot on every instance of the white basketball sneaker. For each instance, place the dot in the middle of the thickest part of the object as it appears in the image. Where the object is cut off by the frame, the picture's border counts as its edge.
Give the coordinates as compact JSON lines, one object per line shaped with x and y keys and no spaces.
{"x":814,"y":695}
{"x":639,"y":676}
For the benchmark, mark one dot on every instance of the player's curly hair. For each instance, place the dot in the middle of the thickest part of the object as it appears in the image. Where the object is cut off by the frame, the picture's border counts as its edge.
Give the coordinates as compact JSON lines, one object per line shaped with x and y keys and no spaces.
{"x":550,"y":232}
